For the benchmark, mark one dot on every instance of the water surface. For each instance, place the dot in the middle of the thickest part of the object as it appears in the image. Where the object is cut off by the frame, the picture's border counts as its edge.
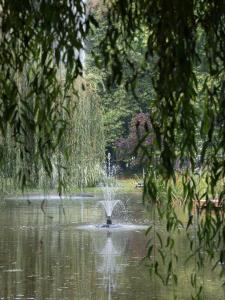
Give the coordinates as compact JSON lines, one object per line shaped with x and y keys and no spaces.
{"x":45,"y":255}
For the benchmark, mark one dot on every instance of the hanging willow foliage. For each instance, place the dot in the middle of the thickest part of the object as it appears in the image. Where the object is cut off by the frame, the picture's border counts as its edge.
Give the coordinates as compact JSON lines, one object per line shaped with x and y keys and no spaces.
{"x":36,"y":38}
{"x":78,"y":156}
{"x":84,"y":142}
{"x":187,"y":114}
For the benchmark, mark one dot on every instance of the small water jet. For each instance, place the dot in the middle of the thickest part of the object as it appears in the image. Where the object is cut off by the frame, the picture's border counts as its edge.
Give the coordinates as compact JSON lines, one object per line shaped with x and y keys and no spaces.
{"x":110,"y":204}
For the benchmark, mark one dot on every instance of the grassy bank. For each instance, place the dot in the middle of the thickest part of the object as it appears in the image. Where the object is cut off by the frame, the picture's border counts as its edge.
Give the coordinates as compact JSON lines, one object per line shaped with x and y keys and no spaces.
{"x":124,"y":185}
{"x":198,"y":184}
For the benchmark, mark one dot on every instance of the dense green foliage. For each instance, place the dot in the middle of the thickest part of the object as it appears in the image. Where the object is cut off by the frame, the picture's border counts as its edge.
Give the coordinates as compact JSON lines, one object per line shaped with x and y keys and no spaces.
{"x":182,"y":60}
{"x":185,"y":42}
{"x":120,"y":104}
{"x":41,"y":56}
{"x":84,"y":140}
{"x":77,"y":159}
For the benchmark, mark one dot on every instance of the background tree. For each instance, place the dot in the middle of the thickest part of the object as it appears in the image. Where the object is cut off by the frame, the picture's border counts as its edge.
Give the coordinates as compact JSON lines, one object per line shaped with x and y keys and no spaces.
{"x":129,"y":150}
{"x":119,"y":104}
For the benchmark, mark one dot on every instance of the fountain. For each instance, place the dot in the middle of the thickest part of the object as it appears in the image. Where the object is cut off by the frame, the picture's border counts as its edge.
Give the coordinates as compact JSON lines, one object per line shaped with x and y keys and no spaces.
{"x":109,"y":191}
{"x":110,"y":203}
{"x":109,"y":207}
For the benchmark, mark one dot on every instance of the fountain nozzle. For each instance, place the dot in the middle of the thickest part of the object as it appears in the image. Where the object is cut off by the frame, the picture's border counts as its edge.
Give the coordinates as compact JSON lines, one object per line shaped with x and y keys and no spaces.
{"x":108,"y":220}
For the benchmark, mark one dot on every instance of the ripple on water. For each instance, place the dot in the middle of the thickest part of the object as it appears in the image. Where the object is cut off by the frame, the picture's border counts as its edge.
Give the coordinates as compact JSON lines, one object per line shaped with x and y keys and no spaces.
{"x":13,"y":270}
{"x":113,"y":227}
{"x":49,"y":197}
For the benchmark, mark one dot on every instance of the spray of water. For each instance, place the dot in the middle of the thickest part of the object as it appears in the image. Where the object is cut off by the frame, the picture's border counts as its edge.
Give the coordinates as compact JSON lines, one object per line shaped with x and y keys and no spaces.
{"x":109,"y":192}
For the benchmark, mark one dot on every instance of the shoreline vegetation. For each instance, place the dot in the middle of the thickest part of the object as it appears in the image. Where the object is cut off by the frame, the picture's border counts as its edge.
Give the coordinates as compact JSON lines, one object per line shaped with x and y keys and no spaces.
{"x":124,"y":185}
{"x":131,"y":184}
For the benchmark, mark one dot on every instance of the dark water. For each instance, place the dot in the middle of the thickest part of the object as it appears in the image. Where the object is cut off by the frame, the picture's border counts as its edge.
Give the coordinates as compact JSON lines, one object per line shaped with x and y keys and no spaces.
{"x":45,"y":255}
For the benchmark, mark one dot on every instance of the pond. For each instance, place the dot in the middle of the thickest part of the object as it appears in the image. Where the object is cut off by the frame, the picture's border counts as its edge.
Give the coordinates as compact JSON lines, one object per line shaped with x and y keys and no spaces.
{"x":45,"y":254}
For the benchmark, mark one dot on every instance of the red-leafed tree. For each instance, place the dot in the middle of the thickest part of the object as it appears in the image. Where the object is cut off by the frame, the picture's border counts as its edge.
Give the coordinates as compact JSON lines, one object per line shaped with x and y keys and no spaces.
{"x":131,"y":149}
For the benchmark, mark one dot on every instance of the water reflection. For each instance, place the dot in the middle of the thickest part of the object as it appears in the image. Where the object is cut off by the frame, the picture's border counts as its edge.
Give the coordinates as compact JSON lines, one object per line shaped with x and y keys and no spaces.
{"x":110,"y":256}
{"x":43,"y":256}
